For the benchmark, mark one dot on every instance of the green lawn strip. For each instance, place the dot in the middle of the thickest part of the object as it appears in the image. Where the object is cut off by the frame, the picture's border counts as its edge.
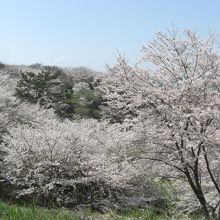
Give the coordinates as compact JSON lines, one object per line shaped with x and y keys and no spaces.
{"x":14,"y":212}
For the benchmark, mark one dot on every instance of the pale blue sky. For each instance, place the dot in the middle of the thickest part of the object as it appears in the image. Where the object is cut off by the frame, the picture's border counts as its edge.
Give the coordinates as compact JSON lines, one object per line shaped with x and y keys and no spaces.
{"x":89,"y":32}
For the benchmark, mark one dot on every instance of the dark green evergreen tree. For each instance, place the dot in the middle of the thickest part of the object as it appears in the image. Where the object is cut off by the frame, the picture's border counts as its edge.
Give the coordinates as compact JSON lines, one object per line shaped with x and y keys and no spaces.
{"x":43,"y":87}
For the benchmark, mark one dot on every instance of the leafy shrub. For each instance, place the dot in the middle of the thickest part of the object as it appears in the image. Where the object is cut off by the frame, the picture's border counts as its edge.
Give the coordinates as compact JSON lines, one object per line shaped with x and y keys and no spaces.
{"x":83,"y":103}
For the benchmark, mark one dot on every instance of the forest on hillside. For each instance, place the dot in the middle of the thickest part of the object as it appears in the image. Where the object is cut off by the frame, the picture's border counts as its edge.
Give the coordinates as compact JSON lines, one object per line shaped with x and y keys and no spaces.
{"x":132,"y":138}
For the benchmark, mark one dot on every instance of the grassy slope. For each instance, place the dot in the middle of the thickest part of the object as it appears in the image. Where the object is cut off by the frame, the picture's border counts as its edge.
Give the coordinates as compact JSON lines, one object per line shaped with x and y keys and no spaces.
{"x":13,"y":212}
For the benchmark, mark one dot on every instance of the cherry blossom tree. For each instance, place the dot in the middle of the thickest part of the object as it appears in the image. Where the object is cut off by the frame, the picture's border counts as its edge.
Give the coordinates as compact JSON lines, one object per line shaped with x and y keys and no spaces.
{"x":53,"y":158}
{"x":61,"y":161}
{"x":7,"y":101}
{"x":174,"y":106}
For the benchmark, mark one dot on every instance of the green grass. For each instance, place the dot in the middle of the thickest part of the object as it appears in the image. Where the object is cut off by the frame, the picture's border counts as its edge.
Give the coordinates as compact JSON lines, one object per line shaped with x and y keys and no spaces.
{"x":14,"y":212}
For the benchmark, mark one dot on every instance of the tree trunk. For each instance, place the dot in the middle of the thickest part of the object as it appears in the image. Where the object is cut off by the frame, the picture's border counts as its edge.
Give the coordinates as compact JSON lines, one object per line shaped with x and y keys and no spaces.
{"x":203,"y":203}
{"x":198,"y":193}
{"x":218,"y":211}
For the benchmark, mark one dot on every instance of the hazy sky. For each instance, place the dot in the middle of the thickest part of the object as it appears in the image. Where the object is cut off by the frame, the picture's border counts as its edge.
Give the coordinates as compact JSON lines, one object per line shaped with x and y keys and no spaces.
{"x":89,"y":32}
